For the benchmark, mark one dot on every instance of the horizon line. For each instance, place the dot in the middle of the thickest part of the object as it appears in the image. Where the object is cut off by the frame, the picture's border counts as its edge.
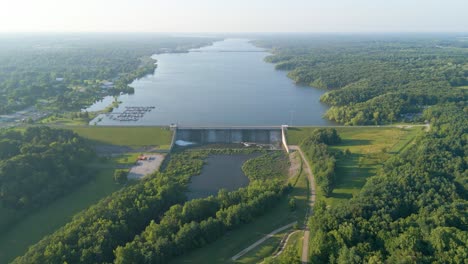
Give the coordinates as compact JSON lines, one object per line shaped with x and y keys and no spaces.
{"x":235,"y":33}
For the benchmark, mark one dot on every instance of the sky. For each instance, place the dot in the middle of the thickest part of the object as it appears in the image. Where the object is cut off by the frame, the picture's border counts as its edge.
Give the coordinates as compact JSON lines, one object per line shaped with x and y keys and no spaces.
{"x":233,"y":15}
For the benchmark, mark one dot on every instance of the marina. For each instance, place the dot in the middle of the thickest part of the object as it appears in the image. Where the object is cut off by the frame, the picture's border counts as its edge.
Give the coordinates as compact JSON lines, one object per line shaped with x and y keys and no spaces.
{"x":131,"y":113}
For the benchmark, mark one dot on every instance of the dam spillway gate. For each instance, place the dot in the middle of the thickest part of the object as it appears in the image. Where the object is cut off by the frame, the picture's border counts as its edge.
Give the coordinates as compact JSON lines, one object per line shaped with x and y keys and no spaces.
{"x":225,"y":135}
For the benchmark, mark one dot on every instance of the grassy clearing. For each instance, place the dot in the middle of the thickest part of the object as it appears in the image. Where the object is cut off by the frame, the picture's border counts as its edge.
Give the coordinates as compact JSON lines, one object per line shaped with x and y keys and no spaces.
{"x":296,"y":241}
{"x":126,"y":136}
{"x":232,"y":243}
{"x":267,"y":249}
{"x":263,"y":251}
{"x":369,"y":147}
{"x":34,"y":226}
{"x":64,"y":121}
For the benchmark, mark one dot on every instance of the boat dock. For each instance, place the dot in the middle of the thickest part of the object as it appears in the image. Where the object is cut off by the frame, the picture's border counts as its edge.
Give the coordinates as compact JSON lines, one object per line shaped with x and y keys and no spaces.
{"x":131,"y":113}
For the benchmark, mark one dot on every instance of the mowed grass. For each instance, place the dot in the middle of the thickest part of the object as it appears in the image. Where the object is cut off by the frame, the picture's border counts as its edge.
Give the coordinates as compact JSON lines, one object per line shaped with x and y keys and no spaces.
{"x":370,"y":147}
{"x":65,"y":121}
{"x":126,"y":136}
{"x":34,"y":226}
{"x":263,"y":251}
{"x":235,"y":241}
{"x":295,"y":242}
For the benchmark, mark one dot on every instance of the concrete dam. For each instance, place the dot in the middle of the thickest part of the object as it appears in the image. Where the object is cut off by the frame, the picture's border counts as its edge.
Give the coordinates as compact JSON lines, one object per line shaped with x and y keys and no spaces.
{"x":209,"y":135}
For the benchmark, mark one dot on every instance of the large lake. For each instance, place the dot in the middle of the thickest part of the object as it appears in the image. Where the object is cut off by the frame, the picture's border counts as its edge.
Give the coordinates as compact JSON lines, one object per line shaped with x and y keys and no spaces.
{"x":228,"y":83}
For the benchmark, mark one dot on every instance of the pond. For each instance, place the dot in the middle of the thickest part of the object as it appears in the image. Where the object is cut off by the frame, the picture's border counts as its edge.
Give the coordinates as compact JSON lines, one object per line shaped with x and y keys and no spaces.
{"x":220,"y":172}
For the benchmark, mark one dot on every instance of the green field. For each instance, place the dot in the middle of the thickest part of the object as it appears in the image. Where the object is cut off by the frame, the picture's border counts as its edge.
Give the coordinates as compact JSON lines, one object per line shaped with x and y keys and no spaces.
{"x":233,"y":242}
{"x":66,"y":119}
{"x":264,"y":250}
{"x":126,"y":136}
{"x":34,"y":226}
{"x":369,"y":147}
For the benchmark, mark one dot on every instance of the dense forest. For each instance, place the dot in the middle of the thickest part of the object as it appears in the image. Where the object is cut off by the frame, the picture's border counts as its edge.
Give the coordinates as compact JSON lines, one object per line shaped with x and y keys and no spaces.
{"x":69,"y":72}
{"x":148,"y":222}
{"x":39,"y":164}
{"x":375,"y":79}
{"x":413,"y":211}
{"x":322,"y":161}
{"x":199,"y":222}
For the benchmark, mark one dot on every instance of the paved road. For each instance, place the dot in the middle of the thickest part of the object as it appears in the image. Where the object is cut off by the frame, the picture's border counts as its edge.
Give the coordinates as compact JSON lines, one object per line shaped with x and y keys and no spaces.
{"x":260,"y":241}
{"x":310,"y":177}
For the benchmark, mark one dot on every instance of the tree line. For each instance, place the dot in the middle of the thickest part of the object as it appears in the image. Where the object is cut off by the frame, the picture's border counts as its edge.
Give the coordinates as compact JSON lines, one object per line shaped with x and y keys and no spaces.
{"x":39,"y":164}
{"x":372,"y":79}
{"x":323,"y":162}
{"x":199,"y":222}
{"x":413,"y":211}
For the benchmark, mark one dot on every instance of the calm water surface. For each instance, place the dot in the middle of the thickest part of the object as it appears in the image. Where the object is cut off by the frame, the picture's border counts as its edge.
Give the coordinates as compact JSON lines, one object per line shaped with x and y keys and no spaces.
{"x":220,"y":172}
{"x":227,"y":83}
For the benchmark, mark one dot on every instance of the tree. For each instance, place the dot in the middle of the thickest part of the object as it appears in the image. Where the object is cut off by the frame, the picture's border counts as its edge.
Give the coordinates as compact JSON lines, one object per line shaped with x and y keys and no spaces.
{"x":292,"y":204}
{"x":120,"y":176}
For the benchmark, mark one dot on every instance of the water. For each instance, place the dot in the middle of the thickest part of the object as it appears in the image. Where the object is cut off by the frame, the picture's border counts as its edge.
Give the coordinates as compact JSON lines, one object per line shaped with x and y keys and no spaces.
{"x":227,"y":83}
{"x":101,"y":104}
{"x":220,"y":172}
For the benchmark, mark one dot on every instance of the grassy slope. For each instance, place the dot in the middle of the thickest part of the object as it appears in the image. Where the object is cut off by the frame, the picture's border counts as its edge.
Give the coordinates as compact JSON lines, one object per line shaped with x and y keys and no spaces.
{"x":126,"y":136}
{"x":36,"y":225}
{"x":263,"y":251}
{"x":369,"y":147}
{"x":232,"y":243}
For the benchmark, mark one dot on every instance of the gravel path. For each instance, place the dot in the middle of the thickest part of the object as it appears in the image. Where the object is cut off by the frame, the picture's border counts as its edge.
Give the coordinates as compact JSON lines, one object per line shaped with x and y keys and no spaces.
{"x":145,"y":167}
{"x":295,"y":164}
{"x":310,"y":177}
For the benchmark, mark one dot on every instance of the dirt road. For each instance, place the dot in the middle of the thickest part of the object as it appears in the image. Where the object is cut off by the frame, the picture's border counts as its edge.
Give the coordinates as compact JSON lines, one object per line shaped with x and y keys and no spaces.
{"x":310,"y":177}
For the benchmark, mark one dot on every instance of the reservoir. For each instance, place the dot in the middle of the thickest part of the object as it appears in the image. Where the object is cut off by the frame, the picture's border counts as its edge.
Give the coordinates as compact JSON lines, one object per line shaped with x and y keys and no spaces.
{"x":225,"y":84}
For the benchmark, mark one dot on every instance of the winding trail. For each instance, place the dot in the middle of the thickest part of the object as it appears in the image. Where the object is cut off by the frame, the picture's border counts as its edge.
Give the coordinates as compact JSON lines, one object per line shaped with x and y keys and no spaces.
{"x":310,"y":177}
{"x":305,"y":243}
{"x":285,"y":243}
{"x":260,"y":241}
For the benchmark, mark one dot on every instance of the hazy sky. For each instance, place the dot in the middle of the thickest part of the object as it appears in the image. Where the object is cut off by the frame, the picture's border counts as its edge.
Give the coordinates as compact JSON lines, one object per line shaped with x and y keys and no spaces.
{"x":234,"y":15}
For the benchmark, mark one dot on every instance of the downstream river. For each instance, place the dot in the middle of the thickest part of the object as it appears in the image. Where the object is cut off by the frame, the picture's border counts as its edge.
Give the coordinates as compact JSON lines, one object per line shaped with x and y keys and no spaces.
{"x":226,"y":84}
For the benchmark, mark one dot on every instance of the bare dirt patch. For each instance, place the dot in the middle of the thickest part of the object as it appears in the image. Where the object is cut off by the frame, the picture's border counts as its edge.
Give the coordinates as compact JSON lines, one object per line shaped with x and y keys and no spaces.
{"x":145,"y":167}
